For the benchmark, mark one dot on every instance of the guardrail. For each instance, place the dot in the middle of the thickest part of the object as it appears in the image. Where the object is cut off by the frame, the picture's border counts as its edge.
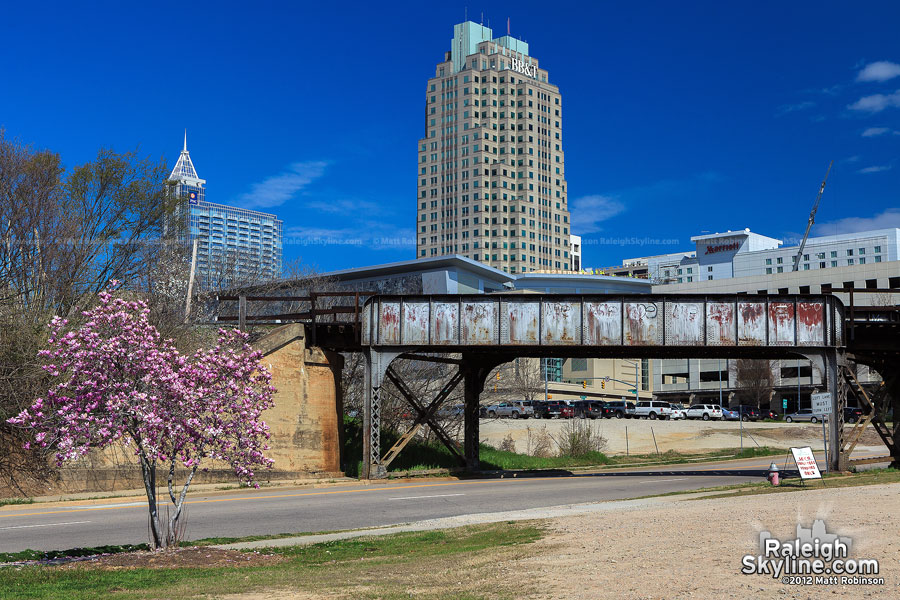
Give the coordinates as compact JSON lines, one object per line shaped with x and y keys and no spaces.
{"x":315,"y":314}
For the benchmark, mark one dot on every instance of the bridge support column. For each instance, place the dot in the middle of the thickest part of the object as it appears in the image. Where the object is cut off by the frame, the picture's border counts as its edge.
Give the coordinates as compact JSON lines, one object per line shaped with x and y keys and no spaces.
{"x":376,"y":367}
{"x":835,"y":383}
{"x":475,"y":372}
{"x":892,"y":389}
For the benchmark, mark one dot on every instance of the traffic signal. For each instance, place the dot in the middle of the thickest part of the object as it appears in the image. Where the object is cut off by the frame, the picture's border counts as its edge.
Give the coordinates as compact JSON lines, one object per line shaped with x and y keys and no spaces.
{"x":549,"y":396}
{"x":498,"y":375}
{"x":584,"y":384}
{"x":602,"y":385}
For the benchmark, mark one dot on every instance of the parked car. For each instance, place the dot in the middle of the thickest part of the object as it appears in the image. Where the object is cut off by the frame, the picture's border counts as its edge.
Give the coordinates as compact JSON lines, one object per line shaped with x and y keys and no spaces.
{"x":770,"y":414}
{"x":619,"y":409}
{"x":515,"y":410}
{"x":704,"y":411}
{"x":747,"y":412}
{"x":852,"y":414}
{"x":678,"y":411}
{"x":448,"y":412}
{"x":730,"y":415}
{"x":652,"y":409}
{"x":553,"y":408}
{"x":588,"y":409}
{"x":804,"y":414}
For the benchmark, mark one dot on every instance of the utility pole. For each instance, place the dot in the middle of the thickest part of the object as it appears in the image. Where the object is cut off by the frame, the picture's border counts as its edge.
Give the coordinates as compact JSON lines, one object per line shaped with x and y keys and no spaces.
{"x":544,"y":360}
{"x":636,"y":381}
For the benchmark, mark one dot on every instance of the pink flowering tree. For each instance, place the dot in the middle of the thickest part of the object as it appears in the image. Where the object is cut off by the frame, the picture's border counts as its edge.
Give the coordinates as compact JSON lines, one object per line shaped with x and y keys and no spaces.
{"x":118,"y":382}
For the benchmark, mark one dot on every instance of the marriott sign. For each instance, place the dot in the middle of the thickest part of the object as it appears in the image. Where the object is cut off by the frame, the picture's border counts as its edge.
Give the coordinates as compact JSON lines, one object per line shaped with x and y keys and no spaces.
{"x":525,"y":69}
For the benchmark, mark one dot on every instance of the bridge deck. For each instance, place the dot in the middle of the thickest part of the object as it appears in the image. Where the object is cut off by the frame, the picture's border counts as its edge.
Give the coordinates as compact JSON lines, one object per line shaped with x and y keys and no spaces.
{"x":631,"y":324}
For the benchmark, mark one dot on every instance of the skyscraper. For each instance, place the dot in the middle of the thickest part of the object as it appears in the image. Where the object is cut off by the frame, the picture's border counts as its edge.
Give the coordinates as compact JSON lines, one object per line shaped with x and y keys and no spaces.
{"x":491,"y":176}
{"x":235,"y":246}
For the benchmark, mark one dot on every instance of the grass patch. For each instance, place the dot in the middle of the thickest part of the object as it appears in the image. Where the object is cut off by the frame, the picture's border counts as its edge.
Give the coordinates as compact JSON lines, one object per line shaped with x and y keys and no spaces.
{"x":435,"y":564}
{"x":5,"y":501}
{"x":72,"y":552}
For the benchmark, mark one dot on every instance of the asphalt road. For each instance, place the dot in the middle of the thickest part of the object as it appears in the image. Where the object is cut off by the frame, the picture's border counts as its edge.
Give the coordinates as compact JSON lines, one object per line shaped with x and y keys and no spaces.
{"x":253,"y":512}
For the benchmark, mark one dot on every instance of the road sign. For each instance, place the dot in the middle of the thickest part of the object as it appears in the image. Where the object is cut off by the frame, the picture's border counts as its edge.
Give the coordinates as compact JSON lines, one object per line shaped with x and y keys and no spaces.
{"x":784,"y":404}
{"x":584,"y":397}
{"x":806,"y":463}
{"x":821,"y":403}
{"x":606,"y":379}
{"x":632,"y":391}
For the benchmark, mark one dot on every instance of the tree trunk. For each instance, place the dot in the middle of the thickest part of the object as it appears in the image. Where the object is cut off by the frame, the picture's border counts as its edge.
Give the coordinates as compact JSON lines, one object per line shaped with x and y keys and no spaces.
{"x":149,"y":472}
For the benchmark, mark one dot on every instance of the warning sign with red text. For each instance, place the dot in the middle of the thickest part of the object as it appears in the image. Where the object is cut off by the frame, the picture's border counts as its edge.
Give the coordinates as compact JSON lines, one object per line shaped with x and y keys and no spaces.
{"x":806,"y":463}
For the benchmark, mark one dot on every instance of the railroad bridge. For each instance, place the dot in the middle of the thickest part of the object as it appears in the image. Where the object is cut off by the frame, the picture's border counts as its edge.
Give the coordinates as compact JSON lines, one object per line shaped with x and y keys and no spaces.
{"x":477,"y":333}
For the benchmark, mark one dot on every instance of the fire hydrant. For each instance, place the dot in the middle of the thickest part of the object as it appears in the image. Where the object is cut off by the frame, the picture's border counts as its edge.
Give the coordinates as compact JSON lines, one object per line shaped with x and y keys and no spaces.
{"x":773,"y":474}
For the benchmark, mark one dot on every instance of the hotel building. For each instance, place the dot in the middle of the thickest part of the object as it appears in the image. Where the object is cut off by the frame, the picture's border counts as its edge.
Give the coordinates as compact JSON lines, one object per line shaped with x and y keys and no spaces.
{"x":491,"y":168}
{"x":234,"y":245}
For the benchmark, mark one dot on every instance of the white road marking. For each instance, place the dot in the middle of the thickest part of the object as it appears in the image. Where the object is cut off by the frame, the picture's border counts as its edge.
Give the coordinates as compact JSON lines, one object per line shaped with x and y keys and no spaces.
{"x":659,"y":480}
{"x":435,"y":496}
{"x":45,"y":525}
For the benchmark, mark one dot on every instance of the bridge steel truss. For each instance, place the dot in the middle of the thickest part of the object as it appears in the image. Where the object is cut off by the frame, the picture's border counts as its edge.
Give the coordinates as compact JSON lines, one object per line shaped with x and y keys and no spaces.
{"x":480,"y":332}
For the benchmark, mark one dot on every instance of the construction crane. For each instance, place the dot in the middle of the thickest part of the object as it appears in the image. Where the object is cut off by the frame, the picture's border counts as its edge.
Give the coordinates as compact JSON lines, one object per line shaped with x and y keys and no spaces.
{"x":812,"y":218}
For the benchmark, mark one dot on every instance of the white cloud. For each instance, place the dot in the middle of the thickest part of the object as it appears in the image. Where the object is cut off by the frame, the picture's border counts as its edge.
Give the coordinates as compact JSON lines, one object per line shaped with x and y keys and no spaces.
{"x":875,"y":169}
{"x":373,"y":235}
{"x":875,"y":131}
{"x":876,"y":102}
{"x":278,"y":189}
{"x":789,"y":108}
{"x":345,"y":207}
{"x":882,"y":70}
{"x":889,"y":218}
{"x":589,"y":211}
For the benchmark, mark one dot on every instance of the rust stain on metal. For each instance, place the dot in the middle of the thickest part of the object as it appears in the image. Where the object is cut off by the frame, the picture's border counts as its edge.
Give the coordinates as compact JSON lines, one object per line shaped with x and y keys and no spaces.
{"x":445,"y":320}
{"x":720,"y":323}
{"x":641,"y":323}
{"x":686,"y":324}
{"x":751,"y":323}
{"x":389,"y":323}
{"x":479,"y":322}
{"x":523,"y":322}
{"x":810,"y":323}
{"x":604,"y":323}
{"x":781,"y":323}
{"x":415,"y":322}
{"x":561,"y":322}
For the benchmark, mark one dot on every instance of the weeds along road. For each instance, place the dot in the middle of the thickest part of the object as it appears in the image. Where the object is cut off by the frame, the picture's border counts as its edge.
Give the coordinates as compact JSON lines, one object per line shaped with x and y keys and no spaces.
{"x":350,"y":506}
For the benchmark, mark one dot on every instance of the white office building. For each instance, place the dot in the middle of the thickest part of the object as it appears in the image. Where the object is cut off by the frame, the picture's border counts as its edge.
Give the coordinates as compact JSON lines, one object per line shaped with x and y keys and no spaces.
{"x":742,"y":262}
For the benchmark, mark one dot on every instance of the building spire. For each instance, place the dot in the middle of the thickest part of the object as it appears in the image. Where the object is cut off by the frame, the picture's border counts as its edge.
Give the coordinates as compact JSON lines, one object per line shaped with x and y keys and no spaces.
{"x":184,"y":169}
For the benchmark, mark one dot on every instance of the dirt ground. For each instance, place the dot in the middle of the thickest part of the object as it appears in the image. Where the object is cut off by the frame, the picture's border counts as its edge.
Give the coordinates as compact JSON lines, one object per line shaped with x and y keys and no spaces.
{"x":636,"y":436}
{"x":685,"y":549}
{"x":693,"y":549}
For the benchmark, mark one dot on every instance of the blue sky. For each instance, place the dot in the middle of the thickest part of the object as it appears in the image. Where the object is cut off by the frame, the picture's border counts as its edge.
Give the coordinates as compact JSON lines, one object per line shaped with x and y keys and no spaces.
{"x":678,"y":118}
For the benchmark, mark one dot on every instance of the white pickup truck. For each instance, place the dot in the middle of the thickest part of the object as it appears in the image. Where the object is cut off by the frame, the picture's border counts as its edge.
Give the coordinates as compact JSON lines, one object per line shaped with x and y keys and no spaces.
{"x":704,"y":411}
{"x":516,"y":410}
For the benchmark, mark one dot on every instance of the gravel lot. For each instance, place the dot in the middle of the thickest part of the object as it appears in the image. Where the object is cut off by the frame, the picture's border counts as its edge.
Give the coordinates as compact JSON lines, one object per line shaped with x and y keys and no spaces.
{"x":693,"y":548}
{"x":682,"y":436}
{"x":660,"y":548}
